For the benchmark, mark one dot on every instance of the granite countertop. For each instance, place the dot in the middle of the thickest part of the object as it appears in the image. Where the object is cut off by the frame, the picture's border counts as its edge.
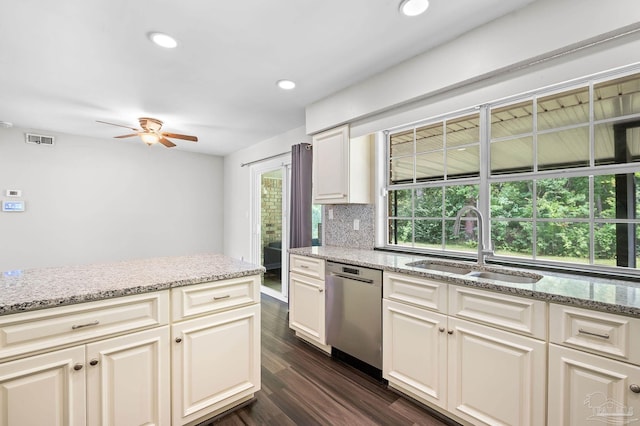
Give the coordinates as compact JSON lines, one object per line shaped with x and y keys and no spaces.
{"x":609,"y":295}
{"x":29,"y":289}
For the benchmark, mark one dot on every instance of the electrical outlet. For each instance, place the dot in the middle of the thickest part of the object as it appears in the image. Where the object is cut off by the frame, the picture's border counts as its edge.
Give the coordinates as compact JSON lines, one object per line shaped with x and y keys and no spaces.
{"x":356,"y":224}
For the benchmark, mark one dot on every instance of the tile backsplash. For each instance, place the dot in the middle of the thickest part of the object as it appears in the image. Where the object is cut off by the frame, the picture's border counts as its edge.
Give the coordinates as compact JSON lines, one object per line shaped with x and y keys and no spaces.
{"x":339,"y":230}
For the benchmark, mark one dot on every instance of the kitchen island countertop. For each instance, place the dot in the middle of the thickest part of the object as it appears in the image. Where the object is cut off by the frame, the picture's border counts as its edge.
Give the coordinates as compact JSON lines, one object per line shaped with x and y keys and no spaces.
{"x":30,"y":289}
{"x":609,"y":295}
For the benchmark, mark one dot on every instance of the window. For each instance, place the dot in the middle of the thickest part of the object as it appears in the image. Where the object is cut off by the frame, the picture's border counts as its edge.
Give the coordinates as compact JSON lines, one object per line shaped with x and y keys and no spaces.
{"x":558,"y":181}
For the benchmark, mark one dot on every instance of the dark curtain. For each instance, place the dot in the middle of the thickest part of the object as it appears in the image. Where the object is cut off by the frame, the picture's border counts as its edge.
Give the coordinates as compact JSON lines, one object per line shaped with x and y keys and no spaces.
{"x":300,"y":223}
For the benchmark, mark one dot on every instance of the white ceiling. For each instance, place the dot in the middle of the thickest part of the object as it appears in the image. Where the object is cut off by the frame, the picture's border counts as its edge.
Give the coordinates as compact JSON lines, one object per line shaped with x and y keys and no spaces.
{"x":65,"y":64}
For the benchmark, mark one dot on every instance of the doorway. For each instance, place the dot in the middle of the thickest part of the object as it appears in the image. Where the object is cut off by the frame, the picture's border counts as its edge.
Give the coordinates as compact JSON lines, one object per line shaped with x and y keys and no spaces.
{"x":270,"y":187}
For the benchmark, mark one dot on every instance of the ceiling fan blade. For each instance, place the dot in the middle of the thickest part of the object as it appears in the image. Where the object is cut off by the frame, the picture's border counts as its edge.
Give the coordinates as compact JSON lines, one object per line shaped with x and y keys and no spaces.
{"x":166,"y":142}
{"x":178,"y":136}
{"x":126,"y":136}
{"x":119,"y":125}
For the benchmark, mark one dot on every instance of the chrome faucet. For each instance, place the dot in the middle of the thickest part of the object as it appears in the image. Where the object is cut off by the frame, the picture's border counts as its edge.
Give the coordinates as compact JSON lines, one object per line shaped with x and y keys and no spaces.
{"x":482,"y":251}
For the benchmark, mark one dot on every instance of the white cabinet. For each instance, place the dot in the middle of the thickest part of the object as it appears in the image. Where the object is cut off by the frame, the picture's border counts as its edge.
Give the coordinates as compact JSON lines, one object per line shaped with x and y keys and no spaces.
{"x":119,"y":381}
{"x":342,"y":167}
{"x":215,"y":357}
{"x":44,"y":390}
{"x":472,"y":372}
{"x":591,"y":389}
{"x":307,"y":300}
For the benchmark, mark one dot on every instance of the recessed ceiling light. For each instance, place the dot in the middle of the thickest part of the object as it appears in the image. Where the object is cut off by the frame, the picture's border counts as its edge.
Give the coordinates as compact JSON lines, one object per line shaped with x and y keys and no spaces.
{"x":286,"y":84}
{"x":163,"y":40}
{"x":413,"y":7}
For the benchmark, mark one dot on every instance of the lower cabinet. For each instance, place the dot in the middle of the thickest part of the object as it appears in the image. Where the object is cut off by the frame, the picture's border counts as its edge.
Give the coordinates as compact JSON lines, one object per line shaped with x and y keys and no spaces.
{"x":591,"y":389}
{"x":216,"y":363}
{"x":90,"y":384}
{"x":476,"y":373}
{"x":307,"y":308}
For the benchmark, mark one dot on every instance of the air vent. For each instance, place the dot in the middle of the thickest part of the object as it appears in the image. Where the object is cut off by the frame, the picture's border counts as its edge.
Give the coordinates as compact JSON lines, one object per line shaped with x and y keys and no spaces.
{"x":39,"y":139}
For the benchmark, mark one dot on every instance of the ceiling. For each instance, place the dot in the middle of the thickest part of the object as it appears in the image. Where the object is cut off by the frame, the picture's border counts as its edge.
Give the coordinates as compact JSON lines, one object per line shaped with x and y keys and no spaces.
{"x":66,"y":64}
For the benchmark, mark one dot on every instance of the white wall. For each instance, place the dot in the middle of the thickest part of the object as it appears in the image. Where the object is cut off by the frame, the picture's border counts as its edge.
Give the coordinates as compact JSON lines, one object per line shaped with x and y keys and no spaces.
{"x":94,"y":200}
{"x":543,"y":28}
{"x":237,"y":189}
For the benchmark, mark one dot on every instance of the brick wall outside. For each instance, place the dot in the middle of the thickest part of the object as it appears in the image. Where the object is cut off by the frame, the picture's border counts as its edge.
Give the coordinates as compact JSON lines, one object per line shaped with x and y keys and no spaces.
{"x":271,"y":211}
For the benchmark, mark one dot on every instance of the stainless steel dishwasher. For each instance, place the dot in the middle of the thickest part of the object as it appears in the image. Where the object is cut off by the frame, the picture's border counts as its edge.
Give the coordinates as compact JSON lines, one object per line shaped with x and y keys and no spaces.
{"x":354,"y":311}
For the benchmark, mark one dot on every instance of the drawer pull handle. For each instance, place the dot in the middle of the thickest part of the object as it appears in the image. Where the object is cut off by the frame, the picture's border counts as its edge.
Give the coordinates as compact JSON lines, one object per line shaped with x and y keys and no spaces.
{"x":89,"y":324}
{"x":588,"y":333}
{"x":304,"y":266}
{"x":634,"y":388}
{"x":221,"y":297}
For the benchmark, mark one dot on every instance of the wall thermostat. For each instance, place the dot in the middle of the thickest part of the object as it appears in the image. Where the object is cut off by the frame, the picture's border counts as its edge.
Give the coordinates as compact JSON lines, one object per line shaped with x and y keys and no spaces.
{"x":12,"y":205}
{"x":13,"y":193}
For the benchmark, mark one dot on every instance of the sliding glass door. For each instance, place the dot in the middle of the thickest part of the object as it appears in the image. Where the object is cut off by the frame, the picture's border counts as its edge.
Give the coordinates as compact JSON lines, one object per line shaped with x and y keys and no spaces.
{"x":270,"y":200}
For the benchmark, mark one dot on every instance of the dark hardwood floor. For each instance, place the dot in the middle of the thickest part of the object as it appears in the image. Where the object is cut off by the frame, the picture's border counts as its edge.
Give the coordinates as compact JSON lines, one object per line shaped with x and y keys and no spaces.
{"x":303,"y":386}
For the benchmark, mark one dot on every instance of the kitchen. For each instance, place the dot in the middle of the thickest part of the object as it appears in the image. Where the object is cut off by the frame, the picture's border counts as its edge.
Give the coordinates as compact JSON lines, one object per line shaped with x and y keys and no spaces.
{"x":131,"y":193}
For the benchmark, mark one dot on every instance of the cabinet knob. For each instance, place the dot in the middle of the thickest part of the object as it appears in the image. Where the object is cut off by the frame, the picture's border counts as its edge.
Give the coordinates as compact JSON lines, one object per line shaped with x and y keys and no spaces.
{"x":93,"y":362}
{"x":450,"y":332}
{"x":441,"y":329}
{"x":320,"y":290}
{"x":78,"y":367}
{"x":178,"y":339}
{"x":634,"y":388}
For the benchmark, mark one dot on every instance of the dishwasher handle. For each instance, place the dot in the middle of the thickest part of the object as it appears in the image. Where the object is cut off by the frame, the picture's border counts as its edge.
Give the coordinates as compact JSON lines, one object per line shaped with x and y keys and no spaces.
{"x":349,"y":277}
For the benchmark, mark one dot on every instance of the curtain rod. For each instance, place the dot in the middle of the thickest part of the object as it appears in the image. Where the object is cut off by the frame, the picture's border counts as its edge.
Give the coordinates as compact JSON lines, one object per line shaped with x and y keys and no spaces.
{"x":269,"y":157}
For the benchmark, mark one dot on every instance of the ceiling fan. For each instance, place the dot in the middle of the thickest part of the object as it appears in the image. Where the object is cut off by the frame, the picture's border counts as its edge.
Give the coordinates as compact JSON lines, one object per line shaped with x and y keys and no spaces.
{"x":150,"y":132}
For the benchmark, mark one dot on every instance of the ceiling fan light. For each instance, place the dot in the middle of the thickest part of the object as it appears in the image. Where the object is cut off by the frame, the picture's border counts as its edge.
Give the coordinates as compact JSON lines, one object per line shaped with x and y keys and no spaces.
{"x":163,"y":40}
{"x":413,"y":7}
{"x":149,"y":138}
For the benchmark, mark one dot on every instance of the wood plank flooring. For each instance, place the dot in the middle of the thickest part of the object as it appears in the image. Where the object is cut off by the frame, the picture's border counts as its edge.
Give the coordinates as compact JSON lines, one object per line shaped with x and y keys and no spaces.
{"x":303,"y":386}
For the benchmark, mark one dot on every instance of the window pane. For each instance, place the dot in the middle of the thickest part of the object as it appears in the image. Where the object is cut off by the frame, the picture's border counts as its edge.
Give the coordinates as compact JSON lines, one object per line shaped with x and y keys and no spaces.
{"x":605,"y":198}
{"x":562,"y":198}
{"x":430,"y":166}
{"x":512,"y":238}
{"x":463,"y":130}
{"x":463,"y":162}
{"x":429,"y":202}
{"x":511,"y":200}
{"x":401,"y":170}
{"x":400,"y":203}
{"x":467,"y":238}
{"x":563,"y":241}
{"x":563,"y":109}
{"x":400,"y":232}
{"x":429,"y":233}
{"x":605,"y":244}
{"x":429,"y":138}
{"x":401,"y":144}
{"x":512,"y":156}
{"x":565,"y":149}
{"x":616,"y":98}
{"x":617,"y":143}
{"x":457,"y":197}
{"x":512,"y":120}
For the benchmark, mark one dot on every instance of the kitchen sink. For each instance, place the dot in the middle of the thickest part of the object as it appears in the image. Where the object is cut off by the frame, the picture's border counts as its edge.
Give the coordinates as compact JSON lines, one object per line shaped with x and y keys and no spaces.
{"x":519,"y":278}
{"x":509,"y":278}
{"x":441,"y":267}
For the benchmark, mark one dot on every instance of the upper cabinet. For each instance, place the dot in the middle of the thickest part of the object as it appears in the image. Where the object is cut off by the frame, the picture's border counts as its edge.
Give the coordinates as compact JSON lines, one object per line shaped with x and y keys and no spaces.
{"x":342,"y":168}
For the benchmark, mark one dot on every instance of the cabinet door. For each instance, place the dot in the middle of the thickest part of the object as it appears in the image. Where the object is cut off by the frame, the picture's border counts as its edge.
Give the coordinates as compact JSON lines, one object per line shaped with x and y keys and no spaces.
{"x":44,"y":390}
{"x":128,"y":380}
{"x":306,"y":307}
{"x":215,"y":362}
{"x":415,"y":351}
{"x":496,"y":377}
{"x":331,"y":166}
{"x":590,"y":389}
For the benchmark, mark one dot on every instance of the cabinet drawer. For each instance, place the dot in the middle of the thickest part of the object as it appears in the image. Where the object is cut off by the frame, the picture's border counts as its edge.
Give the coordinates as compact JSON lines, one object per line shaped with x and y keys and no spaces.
{"x":309,"y":266}
{"x":512,"y":313}
{"x":599,"y":332}
{"x":214,"y":296}
{"x":417,"y":291}
{"x":40,"y":330}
